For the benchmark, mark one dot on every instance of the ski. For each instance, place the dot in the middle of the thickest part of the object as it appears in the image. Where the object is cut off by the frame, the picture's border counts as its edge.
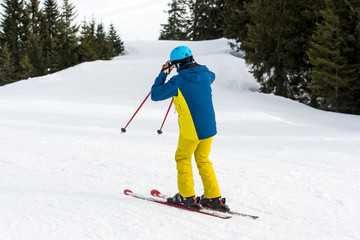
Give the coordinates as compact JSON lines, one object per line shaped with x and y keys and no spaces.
{"x":161,"y":201}
{"x":160,"y":195}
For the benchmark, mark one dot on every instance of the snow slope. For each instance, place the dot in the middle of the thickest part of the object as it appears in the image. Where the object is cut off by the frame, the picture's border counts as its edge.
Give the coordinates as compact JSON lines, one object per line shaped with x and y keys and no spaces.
{"x":64,"y":163}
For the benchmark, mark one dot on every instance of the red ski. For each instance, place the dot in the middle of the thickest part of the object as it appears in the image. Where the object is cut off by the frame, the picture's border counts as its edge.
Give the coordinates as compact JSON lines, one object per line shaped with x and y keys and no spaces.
{"x":161,"y":201}
{"x":160,"y":195}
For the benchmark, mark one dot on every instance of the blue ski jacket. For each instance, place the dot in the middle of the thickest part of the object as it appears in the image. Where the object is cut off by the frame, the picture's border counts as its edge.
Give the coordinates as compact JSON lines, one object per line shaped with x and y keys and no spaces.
{"x":191,"y":90}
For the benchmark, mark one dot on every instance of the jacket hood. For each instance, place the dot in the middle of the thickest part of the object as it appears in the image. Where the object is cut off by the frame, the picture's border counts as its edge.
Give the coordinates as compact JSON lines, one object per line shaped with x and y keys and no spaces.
{"x":192,"y":74}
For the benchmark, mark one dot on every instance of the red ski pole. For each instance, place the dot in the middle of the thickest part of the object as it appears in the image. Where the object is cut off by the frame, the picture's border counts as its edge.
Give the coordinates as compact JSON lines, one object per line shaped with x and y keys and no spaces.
{"x":160,"y":130}
{"x":123,"y":130}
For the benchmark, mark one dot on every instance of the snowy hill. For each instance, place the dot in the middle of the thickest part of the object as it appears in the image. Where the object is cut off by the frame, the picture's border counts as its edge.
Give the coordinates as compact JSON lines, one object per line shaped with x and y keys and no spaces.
{"x":64,"y":163}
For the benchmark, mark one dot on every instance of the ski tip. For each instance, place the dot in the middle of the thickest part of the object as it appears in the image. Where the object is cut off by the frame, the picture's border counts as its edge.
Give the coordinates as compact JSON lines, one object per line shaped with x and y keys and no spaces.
{"x":127,"y":192}
{"x":155,"y":192}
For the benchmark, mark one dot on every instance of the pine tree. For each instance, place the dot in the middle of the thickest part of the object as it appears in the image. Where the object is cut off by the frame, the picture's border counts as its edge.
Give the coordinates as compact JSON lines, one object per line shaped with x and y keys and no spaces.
{"x":275,"y":43}
{"x":36,"y":41}
{"x":25,"y":68}
{"x":236,"y":18}
{"x":51,"y":39}
{"x":349,"y":14}
{"x":356,"y":17}
{"x":176,"y":28}
{"x":88,"y":46}
{"x":334,"y":79}
{"x":13,"y":27}
{"x":207,"y":19}
{"x":102,"y":44}
{"x":356,"y":94}
{"x":7,"y":68}
{"x":68,"y":35}
{"x":114,"y":40}
{"x":325,"y":56}
{"x":34,"y":44}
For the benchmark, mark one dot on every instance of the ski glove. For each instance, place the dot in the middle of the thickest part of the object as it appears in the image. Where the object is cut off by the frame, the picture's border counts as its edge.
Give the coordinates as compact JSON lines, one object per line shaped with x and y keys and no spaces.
{"x":167,"y":67}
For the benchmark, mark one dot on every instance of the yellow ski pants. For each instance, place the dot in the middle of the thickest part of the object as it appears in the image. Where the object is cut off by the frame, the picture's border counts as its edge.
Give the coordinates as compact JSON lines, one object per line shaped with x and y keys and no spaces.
{"x":201,"y":150}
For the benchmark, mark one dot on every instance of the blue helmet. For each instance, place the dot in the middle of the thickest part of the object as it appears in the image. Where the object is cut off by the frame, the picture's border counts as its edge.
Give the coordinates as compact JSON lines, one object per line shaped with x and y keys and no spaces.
{"x":180,"y":54}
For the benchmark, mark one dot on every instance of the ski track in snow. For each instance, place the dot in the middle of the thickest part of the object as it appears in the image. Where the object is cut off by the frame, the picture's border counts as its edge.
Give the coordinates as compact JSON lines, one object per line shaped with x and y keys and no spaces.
{"x":64,"y":163}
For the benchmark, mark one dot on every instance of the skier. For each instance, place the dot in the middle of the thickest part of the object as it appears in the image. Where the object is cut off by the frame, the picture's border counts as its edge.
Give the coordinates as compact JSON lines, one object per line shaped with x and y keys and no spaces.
{"x":192,"y":95}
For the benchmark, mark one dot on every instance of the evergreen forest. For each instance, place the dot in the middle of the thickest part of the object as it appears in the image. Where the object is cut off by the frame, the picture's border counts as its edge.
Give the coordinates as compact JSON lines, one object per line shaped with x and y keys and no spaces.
{"x":305,"y":50}
{"x":37,"y":40}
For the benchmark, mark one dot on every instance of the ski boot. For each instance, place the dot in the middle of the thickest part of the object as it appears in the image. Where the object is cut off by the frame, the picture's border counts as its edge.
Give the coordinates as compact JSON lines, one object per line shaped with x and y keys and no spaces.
{"x":214,"y":203}
{"x":189,"y":202}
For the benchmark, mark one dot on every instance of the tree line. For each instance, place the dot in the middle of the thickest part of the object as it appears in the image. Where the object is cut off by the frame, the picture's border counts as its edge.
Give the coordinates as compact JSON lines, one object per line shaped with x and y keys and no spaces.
{"x":306,"y":50}
{"x":36,"y":40}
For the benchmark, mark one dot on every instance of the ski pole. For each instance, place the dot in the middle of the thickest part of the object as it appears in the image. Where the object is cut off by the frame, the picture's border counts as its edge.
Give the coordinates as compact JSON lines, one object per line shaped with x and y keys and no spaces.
{"x":160,"y":130}
{"x":123,"y":130}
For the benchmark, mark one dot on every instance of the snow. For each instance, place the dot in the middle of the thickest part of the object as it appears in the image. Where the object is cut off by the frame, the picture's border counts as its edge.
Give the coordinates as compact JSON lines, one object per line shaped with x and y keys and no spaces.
{"x":64,"y":163}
